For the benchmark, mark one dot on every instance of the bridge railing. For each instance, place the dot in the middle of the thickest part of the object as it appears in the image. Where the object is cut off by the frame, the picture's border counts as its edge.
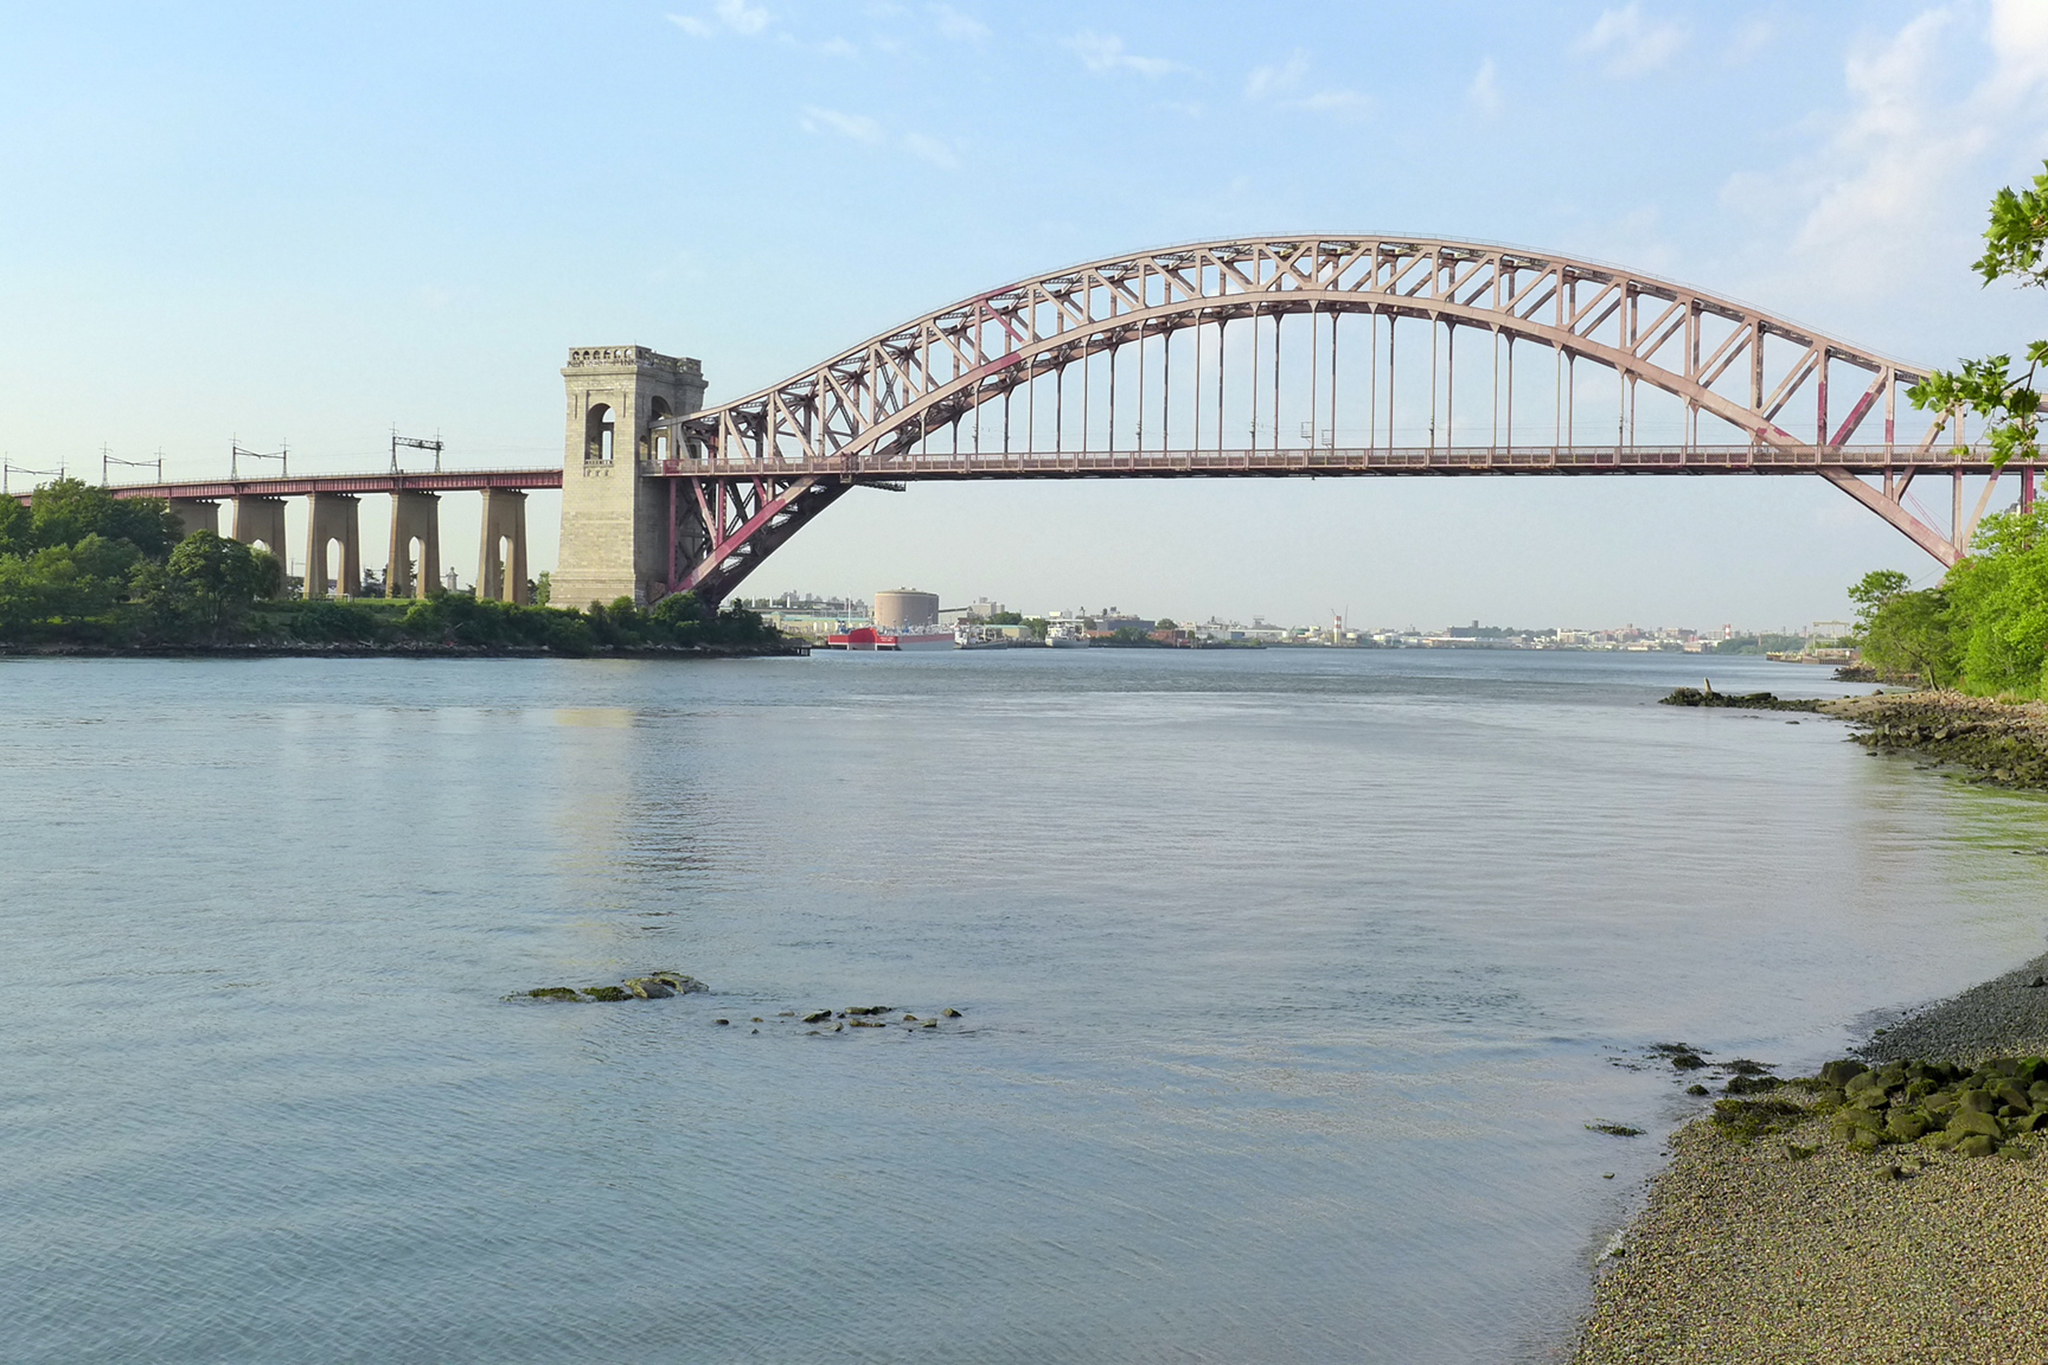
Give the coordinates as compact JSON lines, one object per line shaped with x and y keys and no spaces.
{"x":1339,"y":461}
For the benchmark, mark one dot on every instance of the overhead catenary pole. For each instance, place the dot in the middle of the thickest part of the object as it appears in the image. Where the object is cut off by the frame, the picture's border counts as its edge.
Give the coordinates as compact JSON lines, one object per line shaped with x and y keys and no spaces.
{"x":107,"y":459}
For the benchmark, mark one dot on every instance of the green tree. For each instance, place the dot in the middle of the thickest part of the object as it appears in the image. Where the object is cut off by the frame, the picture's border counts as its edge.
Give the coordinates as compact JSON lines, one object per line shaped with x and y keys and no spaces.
{"x":2010,"y":404}
{"x":1914,"y":635}
{"x":17,"y":526}
{"x":269,"y":573}
{"x":63,"y":584}
{"x":66,"y":511}
{"x":223,"y":575}
{"x":1872,"y":591}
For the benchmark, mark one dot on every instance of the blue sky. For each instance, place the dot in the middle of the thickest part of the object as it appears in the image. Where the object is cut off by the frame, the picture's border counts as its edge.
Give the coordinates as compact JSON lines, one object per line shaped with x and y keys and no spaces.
{"x":262,"y":223}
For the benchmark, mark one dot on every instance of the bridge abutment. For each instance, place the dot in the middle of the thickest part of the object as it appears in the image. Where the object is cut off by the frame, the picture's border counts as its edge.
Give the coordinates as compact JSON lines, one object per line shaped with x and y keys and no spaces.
{"x":332,"y":518}
{"x":414,"y":517}
{"x":501,"y":567}
{"x":615,"y":520}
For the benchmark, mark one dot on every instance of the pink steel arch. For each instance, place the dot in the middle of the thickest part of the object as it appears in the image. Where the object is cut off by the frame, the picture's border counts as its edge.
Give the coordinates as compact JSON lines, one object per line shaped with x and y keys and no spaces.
{"x":750,"y":472}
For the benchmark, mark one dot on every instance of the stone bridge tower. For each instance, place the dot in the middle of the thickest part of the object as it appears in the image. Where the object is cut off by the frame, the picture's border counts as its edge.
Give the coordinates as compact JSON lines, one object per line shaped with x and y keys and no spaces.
{"x":615,"y":528}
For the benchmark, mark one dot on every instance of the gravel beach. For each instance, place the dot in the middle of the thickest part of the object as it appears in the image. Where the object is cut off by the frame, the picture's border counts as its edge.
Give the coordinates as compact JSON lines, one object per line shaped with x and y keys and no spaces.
{"x":1747,"y":1255}
{"x":1750,"y":1252}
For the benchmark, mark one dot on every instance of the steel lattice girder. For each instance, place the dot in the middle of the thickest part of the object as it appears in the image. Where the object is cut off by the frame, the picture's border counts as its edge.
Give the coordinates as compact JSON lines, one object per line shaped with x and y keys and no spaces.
{"x":859,"y":414}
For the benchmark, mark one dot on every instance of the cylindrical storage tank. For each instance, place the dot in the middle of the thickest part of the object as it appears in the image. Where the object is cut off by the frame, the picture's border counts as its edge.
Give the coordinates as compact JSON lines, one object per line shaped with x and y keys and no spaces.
{"x":906,"y":609}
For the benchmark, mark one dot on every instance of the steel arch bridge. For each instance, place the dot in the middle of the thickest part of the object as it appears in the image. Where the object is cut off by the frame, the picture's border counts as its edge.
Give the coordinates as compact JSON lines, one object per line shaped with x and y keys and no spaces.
{"x":1307,"y":356}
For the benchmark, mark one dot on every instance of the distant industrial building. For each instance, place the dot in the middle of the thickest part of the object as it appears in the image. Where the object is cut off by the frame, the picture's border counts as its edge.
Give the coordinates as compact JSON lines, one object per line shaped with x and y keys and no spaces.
{"x":906,"y":609}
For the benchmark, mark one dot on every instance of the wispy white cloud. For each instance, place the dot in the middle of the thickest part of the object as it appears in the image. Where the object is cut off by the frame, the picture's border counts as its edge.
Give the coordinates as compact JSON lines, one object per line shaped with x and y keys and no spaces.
{"x":1893,"y":149}
{"x":1103,"y":53}
{"x":739,"y":16}
{"x":1877,"y":194}
{"x":858,"y":127}
{"x":2019,"y":42}
{"x":727,"y":16}
{"x":933,"y":150}
{"x":1752,"y":38}
{"x":1334,"y":102}
{"x":871,"y":132}
{"x":1283,"y":84}
{"x":1268,"y":81}
{"x":960,"y":27}
{"x":1484,"y":92}
{"x":1630,"y":44}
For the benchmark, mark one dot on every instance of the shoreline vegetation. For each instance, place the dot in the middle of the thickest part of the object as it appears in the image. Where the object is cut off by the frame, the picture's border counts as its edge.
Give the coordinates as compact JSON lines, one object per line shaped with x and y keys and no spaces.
{"x":85,"y":573}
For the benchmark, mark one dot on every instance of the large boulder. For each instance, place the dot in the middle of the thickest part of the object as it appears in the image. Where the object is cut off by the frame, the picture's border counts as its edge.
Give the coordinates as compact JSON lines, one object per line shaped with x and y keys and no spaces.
{"x":1975,"y":1122}
{"x":1842,"y":1072}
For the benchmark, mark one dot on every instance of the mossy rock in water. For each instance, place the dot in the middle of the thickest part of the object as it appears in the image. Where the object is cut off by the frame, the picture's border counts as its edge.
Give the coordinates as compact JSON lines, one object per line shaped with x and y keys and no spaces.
{"x":1754,"y":701}
{"x":607,"y":993}
{"x":679,"y":983}
{"x":552,"y":993}
{"x":648,"y":988}
{"x":1614,"y":1129}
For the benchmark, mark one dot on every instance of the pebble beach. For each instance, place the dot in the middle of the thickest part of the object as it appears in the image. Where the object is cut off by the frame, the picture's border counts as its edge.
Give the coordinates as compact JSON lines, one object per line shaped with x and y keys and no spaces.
{"x":1798,"y":1247}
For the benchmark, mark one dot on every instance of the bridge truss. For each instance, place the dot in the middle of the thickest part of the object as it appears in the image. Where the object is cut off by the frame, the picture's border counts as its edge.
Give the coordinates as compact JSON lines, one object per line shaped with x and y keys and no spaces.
{"x":1309,"y":356}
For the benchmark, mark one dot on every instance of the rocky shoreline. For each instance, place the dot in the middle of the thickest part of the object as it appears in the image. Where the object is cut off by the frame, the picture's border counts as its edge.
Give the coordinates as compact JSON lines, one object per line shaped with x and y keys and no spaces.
{"x":2000,"y":741}
{"x":2003,"y":742}
{"x":1857,"y":1215}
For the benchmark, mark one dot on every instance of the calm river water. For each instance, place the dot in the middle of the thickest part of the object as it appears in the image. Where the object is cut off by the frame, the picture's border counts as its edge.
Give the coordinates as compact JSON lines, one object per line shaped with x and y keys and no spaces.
{"x":1290,"y":982}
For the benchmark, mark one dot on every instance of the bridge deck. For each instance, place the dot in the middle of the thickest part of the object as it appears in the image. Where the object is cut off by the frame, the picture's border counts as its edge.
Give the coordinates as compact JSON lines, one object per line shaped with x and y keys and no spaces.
{"x":298,"y":485}
{"x":1326,"y":462}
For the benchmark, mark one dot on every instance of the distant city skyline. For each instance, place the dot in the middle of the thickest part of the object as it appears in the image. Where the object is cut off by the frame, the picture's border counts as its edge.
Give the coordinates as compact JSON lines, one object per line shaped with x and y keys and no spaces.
{"x":311,"y":226}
